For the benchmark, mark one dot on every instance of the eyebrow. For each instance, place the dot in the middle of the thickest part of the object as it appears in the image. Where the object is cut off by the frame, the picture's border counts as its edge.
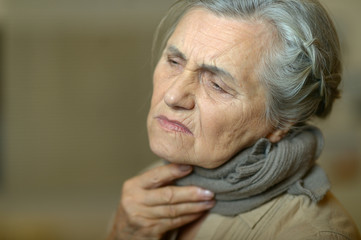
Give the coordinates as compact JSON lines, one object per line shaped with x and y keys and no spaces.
{"x":210,"y":68}
{"x":218,"y":71}
{"x":175,"y":51}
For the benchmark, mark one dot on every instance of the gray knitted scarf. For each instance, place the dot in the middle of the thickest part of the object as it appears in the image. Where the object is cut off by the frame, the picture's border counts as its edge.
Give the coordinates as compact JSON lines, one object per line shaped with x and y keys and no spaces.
{"x":264,"y":171}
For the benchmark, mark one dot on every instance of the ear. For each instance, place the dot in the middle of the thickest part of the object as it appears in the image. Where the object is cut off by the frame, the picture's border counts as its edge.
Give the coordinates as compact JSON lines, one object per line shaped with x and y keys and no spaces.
{"x":277,"y":134}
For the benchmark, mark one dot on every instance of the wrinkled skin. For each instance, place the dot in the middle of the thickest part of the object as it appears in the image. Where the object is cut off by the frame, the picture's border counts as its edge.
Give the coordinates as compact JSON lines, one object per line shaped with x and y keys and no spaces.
{"x":149,"y":207}
{"x":206,"y":80}
{"x":207,"y":105}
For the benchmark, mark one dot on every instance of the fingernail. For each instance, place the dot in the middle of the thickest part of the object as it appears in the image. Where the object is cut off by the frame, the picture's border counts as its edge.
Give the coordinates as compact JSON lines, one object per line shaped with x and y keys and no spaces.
{"x":185,"y":168}
{"x":206,"y":193}
{"x":210,"y":204}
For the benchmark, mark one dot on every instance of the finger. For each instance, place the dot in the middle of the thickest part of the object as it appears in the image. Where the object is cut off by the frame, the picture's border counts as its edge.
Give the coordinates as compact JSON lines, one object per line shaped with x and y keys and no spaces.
{"x":178,"y":210}
{"x":162,"y":175}
{"x":174,"y":194}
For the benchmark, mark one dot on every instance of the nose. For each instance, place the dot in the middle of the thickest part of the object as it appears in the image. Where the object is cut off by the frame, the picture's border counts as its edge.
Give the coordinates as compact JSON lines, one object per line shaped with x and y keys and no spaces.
{"x":180,"y":95}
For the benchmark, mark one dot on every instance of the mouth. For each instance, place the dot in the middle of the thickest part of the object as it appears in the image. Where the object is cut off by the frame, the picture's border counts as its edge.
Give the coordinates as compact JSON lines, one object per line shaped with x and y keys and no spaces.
{"x":172,"y":125}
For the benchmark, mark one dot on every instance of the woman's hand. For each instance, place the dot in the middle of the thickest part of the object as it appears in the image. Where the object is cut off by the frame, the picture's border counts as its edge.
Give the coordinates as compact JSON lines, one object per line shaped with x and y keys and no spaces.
{"x":150,"y":207}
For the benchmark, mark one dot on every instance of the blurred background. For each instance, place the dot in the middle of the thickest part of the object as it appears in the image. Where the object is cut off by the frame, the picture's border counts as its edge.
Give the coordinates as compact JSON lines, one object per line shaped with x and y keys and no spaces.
{"x":75,"y":82}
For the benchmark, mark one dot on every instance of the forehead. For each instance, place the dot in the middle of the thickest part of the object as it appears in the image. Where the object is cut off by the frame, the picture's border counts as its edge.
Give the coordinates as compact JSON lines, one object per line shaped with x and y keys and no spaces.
{"x":212,"y":36}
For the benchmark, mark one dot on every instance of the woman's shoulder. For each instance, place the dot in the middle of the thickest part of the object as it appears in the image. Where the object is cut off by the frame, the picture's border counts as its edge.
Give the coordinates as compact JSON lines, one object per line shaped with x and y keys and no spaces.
{"x":326,"y":219}
{"x":285,"y":217}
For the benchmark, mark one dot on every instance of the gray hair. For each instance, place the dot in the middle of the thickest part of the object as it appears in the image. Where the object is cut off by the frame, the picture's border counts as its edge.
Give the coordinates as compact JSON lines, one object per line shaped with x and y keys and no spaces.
{"x":301,"y":71}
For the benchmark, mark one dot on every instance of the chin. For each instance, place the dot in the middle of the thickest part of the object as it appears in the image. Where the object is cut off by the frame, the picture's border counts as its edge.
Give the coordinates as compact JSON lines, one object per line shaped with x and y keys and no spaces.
{"x":167,"y":154}
{"x":176,"y":157}
{"x":211,"y":164}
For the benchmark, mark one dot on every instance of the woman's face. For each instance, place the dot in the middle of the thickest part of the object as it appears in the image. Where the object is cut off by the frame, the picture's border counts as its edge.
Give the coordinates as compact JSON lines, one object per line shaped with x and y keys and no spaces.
{"x":207,"y":103}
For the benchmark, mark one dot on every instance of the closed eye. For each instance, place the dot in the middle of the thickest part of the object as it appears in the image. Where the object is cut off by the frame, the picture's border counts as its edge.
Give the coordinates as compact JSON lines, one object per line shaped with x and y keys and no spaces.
{"x":213,"y":82}
{"x":217,"y":87}
{"x":172,"y":61}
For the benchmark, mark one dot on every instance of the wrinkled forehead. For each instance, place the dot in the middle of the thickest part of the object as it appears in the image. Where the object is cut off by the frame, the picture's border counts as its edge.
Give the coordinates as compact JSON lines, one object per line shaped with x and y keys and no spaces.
{"x":211,"y":35}
{"x":235,"y":45}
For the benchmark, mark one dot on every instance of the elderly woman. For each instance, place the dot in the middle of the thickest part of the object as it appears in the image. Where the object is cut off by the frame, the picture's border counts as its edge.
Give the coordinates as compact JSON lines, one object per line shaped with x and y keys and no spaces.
{"x":235,"y":84}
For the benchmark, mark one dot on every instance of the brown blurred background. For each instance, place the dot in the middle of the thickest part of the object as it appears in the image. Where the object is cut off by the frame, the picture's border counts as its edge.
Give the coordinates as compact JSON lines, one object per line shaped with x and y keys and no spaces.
{"x":75,"y":86}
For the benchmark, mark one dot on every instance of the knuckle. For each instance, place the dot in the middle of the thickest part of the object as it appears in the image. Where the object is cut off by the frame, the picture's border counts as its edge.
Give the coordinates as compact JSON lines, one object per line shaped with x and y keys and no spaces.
{"x":133,"y":221}
{"x":168,"y":195}
{"x":141,"y":223}
{"x":172,"y":211}
{"x":136,"y":220}
{"x":136,"y":224}
{"x":129,"y":205}
{"x":156,"y":181}
{"x":127,"y":186}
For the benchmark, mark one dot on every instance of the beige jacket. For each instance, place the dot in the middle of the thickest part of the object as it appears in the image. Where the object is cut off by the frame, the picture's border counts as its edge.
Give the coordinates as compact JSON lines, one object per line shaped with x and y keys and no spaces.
{"x":286,"y":217}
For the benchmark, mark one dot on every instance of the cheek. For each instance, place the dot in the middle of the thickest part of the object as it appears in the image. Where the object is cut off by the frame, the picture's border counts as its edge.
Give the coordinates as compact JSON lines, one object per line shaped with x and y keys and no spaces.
{"x":232,"y":129}
{"x":217,"y":133}
{"x":235,"y":127}
{"x":158,"y":87}
{"x":219,"y":121}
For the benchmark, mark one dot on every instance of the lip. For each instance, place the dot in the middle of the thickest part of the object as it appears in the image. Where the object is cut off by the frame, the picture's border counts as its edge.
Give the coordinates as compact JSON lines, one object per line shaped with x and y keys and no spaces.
{"x":172,"y":125}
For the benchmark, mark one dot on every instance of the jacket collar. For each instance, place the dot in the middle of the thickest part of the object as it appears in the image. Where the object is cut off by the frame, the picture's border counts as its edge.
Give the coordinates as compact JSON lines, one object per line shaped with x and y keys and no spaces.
{"x":255,"y":216}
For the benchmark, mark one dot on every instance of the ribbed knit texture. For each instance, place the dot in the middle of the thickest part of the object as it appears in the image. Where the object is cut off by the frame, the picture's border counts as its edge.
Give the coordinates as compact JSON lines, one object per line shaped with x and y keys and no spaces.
{"x":264,"y":171}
